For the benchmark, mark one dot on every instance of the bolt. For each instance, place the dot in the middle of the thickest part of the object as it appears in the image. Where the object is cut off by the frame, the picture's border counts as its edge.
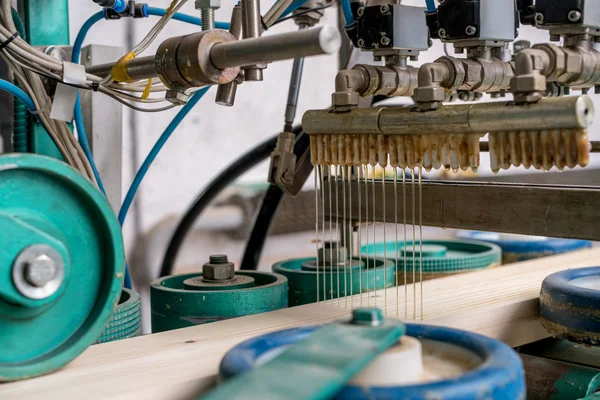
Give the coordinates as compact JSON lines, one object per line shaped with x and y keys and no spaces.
{"x":361,"y":43}
{"x":442,"y":33}
{"x":40,"y":271}
{"x":218,"y":269}
{"x":287,"y":177}
{"x":218,"y":259}
{"x":384,"y":9}
{"x":385,"y":40}
{"x":539,"y":18}
{"x":207,"y":11}
{"x":367,"y":316}
{"x":471,"y":30}
{"x":360,"y":11}
{"x":574,"y":15}
{"x":177,"y":96}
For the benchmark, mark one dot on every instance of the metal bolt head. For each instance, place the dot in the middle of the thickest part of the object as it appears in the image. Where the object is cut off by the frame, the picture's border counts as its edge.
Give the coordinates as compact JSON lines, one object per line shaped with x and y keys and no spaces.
{"x":360,"y":12}
{"x":177,"y":97}
{"x":367,"y":316}
{"x":442,"y":33}
{"x":384,"y":9}
{"x":214,"y":4}
{"x":574,"y":15}
{"x":218,"y":269}
{"x":385,"y":40}
{"x":40,"y":271}
{"x":539,"y":18}
{"x":471,"y":30}
{"x":361,"y":43}
{"x":332,"y":253}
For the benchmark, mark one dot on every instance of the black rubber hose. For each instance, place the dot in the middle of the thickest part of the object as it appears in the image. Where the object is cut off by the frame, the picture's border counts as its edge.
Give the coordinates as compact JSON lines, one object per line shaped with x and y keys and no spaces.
{"x":266,"y":214}
{"x":249,"y":160}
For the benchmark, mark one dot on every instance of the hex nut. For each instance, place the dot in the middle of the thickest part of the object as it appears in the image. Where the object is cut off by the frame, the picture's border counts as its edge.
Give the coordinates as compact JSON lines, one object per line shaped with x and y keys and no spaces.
{"x":218,"y":272}
{"x":214,"y":4}
{"x":332,"y":253}
{"x":345,"y":98}
{"x":177,"y":97}
{"x":528,"y":83}
{"x":429,"y":94}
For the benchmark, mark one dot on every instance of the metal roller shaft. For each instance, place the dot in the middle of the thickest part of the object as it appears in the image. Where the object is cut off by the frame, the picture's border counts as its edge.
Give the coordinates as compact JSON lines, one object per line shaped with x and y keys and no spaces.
{"x":266,"y":49}
{"x":576,"y":112}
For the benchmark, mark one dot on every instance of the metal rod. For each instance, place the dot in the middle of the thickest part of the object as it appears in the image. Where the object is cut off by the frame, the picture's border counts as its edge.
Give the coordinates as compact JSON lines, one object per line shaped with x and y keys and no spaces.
{"x":252,"y":29}
{"x":138,"y":68}
{"x":226,"y":92}
{"x":570,"y":212}
{"x":572,"y":112}
{"x":294,"y":92}
{"x":310,"y":42}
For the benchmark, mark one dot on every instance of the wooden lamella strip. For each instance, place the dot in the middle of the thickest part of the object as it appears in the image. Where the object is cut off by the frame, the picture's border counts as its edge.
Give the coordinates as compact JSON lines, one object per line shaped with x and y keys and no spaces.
{"x":501,"y":303}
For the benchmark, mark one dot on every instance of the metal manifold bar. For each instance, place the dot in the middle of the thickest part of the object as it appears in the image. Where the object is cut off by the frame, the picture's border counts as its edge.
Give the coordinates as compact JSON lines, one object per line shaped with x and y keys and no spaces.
{"x":549,"y":133}
{"x":542,"y":210}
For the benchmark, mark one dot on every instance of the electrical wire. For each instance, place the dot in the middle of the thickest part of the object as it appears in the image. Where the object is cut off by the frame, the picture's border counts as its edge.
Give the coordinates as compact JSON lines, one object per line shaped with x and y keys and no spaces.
{"x":18,"y":93}
{"x":154,"y":152}
{"x":228,"y":176}
{"x":430,"y":5}
{"x":303,"y":12}
{"x":347,"y":11}
{"x":159,"y":12}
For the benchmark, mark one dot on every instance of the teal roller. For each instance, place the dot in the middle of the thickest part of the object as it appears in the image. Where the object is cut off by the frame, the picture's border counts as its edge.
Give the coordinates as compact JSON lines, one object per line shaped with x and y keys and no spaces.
{"x":338,"y":277}
{"x":126,"y":321}
{"x":216,"y":294}
{"x":440,"y":257}
{"x":61,"y":265}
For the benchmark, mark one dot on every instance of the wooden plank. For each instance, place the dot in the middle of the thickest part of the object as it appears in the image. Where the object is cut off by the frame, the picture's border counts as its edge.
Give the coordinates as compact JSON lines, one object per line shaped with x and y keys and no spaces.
{"x":501,"y":303}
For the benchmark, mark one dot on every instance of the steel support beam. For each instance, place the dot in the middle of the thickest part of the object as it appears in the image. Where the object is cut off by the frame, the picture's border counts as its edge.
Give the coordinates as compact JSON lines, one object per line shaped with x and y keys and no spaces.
{"x":571,"y":212}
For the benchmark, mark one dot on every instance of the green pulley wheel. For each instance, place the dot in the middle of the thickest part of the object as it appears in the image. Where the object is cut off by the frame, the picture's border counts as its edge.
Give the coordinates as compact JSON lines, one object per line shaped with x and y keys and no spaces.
{"x":440,"y":257}
{"x":216,"y":294}
{"x":61,"y":265}
{"x":125,"y":321}
{"x":335,"y":279}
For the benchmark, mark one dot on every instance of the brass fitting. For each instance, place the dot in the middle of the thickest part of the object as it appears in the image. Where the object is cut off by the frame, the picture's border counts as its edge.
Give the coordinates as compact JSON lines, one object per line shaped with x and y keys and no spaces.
{"x":448,"y":73}
{"x":368,"y":80}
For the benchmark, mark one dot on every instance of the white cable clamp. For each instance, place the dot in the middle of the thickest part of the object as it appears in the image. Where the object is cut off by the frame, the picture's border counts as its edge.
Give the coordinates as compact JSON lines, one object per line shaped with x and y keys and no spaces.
{"x":66,"y":96}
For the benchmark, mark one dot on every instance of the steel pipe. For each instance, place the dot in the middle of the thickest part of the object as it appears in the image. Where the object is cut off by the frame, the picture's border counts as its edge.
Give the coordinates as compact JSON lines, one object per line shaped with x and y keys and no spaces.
{"x":267,"y":49}
{"x":573,"y":112}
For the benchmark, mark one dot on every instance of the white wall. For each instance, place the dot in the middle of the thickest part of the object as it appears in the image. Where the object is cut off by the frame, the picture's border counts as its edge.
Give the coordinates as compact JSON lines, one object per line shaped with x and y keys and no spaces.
{"x":213,"y":136}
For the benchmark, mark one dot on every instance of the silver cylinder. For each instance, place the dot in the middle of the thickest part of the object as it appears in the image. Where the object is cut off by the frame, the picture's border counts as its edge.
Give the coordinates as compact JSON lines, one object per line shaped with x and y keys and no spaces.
{"x":138,"y":68}
{"x":311,"y":42}
{"x":226,"y":94}
{"x":252,"y":29}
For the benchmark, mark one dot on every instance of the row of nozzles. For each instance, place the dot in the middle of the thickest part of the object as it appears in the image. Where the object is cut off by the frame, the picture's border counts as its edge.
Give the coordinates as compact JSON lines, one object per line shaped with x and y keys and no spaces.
{"x":460,"y":151}
{"x":540,"y":149}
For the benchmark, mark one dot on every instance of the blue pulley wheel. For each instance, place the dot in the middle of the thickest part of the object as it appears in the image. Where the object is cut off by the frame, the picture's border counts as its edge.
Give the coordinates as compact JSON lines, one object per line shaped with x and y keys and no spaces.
{"x":427,"y":362}
{"x":570,"y":305}
{"x":517,"y":248}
